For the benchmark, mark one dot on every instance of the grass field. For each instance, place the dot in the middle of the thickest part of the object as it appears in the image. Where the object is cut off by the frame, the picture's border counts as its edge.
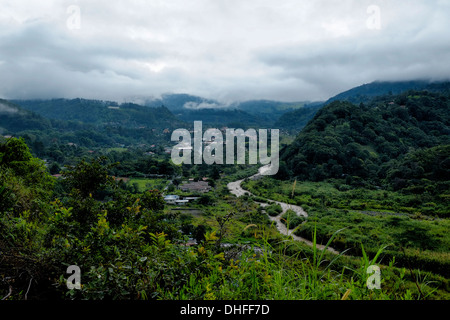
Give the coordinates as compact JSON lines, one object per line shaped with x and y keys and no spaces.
{"x":116,"y":149}
{"x":145,"y":184}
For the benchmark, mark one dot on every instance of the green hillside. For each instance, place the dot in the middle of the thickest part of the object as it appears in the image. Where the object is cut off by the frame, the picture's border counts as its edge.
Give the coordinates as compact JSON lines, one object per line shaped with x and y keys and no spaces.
{"x":103,"y":113}
{"x":297,"y":119}
{"x":344,"y":139}
{"x":14,"y":118}
{"x":88,"y":125}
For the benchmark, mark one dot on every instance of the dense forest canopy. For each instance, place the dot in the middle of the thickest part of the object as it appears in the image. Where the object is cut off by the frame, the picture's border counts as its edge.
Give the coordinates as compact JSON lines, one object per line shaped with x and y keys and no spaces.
{"x":100,"y":112}
{"x":370,"y":140}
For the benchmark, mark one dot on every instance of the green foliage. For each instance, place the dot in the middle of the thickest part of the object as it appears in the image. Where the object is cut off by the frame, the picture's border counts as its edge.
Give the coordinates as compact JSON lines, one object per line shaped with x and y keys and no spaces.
{"x":14,"y":152}
{"x":423,"y":170}
{"x":297,"y":119}
{"x":372,"y":217}
{"x":26,"y":184}
{"x":358,"y":141}
{"x":152,"y":200}
{"x":100,"y":112}
{"x":291,"y":219}
{"x":273,"y":209}
{"x":88,"y":178}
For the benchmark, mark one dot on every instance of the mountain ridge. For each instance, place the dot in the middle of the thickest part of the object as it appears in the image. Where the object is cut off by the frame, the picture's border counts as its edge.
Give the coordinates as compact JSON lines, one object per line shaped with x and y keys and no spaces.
{"x":360,"y":94}
{"x":99,"y":112}
{"x":180,"y":108}
{"x":346,"y":139}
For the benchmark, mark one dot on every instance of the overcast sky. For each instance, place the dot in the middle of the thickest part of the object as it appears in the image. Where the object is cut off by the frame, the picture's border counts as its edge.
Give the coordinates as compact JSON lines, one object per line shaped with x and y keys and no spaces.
{"x":289,"y":50}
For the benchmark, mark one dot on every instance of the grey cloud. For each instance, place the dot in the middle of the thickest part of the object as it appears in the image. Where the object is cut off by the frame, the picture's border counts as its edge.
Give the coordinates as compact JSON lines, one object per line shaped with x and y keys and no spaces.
{"x":202,"y":105}
{"x":7,"y":109}
{"x":40,"y":61}
{"x":42,"y":40}
{"x":221,"y":50}
{"x":341,"y":64}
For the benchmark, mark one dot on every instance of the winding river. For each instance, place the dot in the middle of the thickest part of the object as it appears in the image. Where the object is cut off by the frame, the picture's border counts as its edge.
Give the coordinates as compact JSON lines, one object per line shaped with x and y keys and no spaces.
{"x":236,"y":189}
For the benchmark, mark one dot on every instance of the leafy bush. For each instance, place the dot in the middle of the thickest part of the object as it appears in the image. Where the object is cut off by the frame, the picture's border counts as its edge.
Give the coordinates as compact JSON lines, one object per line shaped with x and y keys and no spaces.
{"x":273,"y":209}
{"x":291,"y":219}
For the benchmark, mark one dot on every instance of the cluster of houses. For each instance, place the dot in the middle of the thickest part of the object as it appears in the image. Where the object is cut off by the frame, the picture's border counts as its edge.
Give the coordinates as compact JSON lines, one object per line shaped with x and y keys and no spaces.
{"x":193,"y":187}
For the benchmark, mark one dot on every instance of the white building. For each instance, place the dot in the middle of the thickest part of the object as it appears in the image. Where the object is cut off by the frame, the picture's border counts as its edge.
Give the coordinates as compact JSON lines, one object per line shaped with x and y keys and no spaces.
{"x":171,"y":199}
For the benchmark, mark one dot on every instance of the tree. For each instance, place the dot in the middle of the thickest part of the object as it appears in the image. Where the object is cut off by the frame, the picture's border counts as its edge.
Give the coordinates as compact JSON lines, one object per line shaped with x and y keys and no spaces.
{"x":283,"y":171}
{"x":214,"y":173}
{"x":206,"y":199}
{"x":176,"y":182}
{"x":14,"y":150}
{"x":88,"y":178}
{"x":199,"y":233}
{"x":24,"y":179}
{"x":152,"y":200}
{"x":55,"y":168}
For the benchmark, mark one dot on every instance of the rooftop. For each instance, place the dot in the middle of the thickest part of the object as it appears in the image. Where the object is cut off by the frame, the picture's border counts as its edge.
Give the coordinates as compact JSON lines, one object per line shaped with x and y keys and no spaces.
{"x":200,"y":186}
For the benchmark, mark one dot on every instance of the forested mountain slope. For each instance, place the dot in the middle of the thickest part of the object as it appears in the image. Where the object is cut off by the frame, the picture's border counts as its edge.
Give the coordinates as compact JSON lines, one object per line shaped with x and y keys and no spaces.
{"x":102,"y":112}
{"x":371,"y":141}
{"x":14,"y":118}
{"x":88,"y":124}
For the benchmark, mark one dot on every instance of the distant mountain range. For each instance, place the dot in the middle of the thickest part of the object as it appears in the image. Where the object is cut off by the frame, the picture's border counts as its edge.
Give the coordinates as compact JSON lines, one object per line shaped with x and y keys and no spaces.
{"x":291,"y":116}
{"x":243,"y":114}
{"x":180,"y":110}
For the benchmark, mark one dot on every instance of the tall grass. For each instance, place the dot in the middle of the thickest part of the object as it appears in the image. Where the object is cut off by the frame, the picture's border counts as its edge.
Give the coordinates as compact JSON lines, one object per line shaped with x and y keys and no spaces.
{"x":285,"y":269}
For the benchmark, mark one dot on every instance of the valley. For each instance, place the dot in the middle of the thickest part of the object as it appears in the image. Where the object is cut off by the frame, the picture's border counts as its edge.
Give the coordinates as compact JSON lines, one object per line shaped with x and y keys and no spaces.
{"x":363,"y":180}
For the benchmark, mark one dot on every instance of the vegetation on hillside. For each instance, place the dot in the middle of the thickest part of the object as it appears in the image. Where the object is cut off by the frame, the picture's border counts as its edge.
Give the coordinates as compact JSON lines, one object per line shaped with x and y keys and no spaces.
{"x":368,"y":142}
{"x":297,"y":119}
{"x":408,"y":224}
{"x":129,"y":247}
{"x":373,"y":178}
{"x":102,"y":113}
